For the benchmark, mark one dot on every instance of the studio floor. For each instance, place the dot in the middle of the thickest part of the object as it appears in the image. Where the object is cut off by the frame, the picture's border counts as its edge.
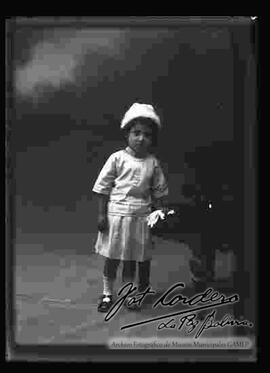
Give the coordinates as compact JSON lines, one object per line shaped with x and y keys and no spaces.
{"x":58,"y":279}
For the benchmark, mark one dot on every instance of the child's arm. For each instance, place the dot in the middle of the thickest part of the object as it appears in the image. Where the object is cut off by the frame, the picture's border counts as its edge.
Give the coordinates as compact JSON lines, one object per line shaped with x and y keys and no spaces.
{"x":159,"y":190}
{"x":102,"y":212}
{"x":102,"y":188}
{"x":161,"y":204}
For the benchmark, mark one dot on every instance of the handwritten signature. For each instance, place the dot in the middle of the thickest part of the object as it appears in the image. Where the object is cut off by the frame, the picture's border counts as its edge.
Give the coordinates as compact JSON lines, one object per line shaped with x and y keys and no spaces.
{"x":209,"y":299}
{"x":191,"y":323}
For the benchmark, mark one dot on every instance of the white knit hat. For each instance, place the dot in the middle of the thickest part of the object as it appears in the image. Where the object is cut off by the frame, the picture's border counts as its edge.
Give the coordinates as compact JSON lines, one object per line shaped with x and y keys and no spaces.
{"x":140,"y":110}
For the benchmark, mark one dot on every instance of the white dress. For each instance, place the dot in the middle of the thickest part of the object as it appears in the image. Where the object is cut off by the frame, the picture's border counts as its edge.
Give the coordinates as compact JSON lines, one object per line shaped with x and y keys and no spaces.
{"x":130,"y":183}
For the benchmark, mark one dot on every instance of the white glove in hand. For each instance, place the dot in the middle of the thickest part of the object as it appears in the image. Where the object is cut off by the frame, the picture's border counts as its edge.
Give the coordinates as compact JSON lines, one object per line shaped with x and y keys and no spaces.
{"x":155,"y":215}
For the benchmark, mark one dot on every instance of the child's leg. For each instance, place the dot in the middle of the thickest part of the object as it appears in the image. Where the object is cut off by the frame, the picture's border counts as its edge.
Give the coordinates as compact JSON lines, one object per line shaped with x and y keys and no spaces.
{"x":128,"y":275}
{"x":144,"y":275}
{"x":129,"y":271}
{"x":109,"y":275}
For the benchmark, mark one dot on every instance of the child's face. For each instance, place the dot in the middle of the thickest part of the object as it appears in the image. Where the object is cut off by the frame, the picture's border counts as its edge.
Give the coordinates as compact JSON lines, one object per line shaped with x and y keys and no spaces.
{"x":140,"y":137}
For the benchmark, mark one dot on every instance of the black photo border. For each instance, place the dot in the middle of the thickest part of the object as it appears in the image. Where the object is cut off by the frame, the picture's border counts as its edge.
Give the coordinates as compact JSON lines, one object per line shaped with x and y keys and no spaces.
{"x":96,"y":353}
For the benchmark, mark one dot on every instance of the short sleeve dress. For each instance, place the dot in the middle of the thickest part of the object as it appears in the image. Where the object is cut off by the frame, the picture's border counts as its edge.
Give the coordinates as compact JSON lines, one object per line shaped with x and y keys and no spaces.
{"x":131,"y":184}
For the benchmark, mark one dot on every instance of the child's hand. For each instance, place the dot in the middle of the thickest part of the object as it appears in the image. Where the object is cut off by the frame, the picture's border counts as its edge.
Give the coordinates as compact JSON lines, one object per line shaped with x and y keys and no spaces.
{"x":102,"y":223}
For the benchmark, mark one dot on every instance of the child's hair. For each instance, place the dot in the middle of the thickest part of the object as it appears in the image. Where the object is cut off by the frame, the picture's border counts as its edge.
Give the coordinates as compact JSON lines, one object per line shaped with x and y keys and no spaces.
{"x":146,"y":121}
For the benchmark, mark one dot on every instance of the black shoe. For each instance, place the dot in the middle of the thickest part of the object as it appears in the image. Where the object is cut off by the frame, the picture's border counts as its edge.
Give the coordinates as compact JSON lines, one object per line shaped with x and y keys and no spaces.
{"x":105,"y":303}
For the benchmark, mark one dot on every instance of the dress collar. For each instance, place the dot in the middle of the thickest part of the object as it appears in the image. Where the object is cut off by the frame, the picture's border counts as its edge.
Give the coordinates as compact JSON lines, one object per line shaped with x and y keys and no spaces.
{"x":131,"y":152}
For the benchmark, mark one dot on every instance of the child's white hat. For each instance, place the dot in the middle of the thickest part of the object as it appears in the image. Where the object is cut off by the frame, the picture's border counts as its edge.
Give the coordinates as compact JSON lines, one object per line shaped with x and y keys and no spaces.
{"x":140,"y":110}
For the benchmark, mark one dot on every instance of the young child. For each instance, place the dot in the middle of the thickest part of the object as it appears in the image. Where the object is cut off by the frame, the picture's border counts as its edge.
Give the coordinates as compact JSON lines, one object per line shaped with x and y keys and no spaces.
{"x":130,"y":185}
